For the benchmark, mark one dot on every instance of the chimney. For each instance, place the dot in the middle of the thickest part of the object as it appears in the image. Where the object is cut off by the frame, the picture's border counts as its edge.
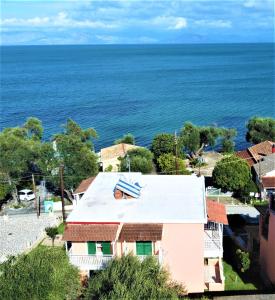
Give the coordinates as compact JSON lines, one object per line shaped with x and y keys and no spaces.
{"x":118,"y":194}
{"x":273,"y":148}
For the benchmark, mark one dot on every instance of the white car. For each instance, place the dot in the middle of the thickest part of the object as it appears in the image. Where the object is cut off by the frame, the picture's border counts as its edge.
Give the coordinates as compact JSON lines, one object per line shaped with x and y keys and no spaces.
{"x":26,"y":195}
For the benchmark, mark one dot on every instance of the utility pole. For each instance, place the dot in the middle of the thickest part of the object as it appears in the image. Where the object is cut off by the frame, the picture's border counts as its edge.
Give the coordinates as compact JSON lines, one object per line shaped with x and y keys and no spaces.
{"x":35,"y":197}
{"x":176,"y":153}
{"x":61,"y":172}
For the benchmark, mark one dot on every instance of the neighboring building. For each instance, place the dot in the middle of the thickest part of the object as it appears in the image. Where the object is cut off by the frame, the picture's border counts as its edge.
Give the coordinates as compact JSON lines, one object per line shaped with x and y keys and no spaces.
{"x":164,"y":216}
{"x":255,"y":153}
{"x":110,"y":156}
{"x":267,"y":242}
{"x":265,"y":174}
{"x":81,"y":189}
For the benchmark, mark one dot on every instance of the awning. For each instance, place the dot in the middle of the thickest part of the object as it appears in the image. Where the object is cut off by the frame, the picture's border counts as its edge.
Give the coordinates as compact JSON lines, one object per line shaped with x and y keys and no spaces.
{"x":140,"y":232}
{"x":90,"y":232}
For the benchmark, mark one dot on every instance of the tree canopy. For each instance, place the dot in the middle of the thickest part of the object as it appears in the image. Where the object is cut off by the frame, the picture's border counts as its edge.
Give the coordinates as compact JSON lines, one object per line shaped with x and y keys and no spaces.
{"x":195,"y":138}
{"x":127,"y":139}
{"x":45,"y":273}
{"x":167,"y":164}
{"x":20,"y":150}
{"x":141,"y":160}
{"x":73,"y":149}
{"x":163,"y":143}
{"x":260,"y":130}
{"x":129,"y":278}
{"x":231,"y":174}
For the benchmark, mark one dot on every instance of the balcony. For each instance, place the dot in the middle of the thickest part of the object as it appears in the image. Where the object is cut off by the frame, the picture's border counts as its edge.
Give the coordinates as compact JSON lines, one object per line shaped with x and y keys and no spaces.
{"x":213,"y":246}
{"x":213,"y":275}
{"x":90,"y":262}
{"x":97,"y":262}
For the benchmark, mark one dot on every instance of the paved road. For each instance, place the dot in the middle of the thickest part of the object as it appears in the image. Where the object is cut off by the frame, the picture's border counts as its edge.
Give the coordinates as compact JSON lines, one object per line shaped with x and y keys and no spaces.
{"x":20,"y":232}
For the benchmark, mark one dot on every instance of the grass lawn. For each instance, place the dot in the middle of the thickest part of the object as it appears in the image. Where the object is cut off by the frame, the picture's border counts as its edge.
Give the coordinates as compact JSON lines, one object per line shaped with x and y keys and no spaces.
{"x":233,"y":281}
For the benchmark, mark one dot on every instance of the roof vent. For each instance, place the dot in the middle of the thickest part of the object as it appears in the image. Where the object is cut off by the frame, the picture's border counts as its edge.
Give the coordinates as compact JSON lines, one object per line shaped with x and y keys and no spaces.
{"x":131,"y":189}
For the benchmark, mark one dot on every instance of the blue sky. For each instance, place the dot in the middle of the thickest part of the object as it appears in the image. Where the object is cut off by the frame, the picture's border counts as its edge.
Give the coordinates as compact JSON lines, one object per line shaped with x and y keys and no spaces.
{"x":136,"y":22}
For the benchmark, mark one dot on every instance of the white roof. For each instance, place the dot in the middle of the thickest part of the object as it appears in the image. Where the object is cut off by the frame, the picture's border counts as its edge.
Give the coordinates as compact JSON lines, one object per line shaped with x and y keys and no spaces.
{"x":164,"y":199}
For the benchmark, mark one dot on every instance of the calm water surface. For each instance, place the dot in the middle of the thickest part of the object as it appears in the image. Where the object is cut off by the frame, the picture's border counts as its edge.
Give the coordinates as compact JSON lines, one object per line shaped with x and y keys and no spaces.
{"x":139,"y":89}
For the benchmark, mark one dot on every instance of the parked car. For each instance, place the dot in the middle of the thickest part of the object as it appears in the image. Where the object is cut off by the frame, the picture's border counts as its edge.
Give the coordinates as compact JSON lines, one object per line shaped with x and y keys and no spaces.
{"x":26,"y":195}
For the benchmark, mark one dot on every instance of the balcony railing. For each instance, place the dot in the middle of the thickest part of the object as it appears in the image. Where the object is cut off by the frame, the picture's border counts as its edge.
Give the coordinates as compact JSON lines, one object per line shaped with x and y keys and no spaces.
{"x":213,"y":243}
{"x":90,"y":262}
{"x":142,"y":257}
{"x":97,"y":262}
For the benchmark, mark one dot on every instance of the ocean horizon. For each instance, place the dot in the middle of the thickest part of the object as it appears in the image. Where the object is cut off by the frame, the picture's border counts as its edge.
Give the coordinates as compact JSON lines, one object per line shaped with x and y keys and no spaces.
{"x":138,"y":89}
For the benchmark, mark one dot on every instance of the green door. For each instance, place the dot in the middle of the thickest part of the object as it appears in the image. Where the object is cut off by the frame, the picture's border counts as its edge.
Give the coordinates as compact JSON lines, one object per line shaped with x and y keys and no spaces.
{"x":144,"y":248}
{"x":91,"y":248}
{"x":106,"y":248}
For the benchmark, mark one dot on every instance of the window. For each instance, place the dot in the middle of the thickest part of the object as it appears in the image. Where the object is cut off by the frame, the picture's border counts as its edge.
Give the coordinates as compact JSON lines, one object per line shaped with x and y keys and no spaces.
{"x":144,"y":248}
{"x":99,"y":248}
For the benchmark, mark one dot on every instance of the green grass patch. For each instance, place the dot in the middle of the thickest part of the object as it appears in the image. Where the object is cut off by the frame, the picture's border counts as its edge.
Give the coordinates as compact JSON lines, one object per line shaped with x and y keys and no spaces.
{"x":233,"y":281}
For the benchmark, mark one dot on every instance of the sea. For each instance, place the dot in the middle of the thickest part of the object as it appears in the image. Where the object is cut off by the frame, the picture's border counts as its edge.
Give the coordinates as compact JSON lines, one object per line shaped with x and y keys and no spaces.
{"x":138,"y":89}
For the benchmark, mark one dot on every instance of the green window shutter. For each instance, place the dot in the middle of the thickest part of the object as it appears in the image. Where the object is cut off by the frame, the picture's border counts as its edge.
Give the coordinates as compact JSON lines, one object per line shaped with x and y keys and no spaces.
{"x":147,"y":248}
{"x":106,"y":248}
{"x":144,"y":248}
{"x":91,"y":248}
{"x":139,"y":248}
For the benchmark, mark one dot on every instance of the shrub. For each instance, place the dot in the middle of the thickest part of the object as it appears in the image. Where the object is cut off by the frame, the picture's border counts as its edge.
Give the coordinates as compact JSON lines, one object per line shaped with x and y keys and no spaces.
{"x":45,"y":274}
{"x":129,"y":278}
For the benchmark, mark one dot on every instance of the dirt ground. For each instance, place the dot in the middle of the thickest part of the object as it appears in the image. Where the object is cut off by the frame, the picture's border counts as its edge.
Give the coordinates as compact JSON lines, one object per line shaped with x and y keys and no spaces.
{"x":210,"y":158}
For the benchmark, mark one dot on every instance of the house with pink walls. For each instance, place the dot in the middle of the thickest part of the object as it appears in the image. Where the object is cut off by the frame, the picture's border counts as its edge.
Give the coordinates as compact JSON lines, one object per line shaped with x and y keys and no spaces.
{"x":267,"y":242}
{"x":166,"y":216}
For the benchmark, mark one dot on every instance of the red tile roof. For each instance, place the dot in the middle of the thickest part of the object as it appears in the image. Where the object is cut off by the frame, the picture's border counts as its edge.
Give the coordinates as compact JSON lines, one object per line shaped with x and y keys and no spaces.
{"x":216,"y":212}
{"x":84,"y":184}
{"x":140,"y":232}
{"x":90,"y":232}
{"x":268,"y":182}
{"x":256,"y":152}
{"x":261,"y":149}
{"x":245,"y":154}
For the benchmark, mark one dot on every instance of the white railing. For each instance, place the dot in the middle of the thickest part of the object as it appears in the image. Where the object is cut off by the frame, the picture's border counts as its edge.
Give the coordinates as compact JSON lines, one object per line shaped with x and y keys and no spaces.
{"x":90,"y":262}
{"x":213,"y":246}
{"x":142,"y":257}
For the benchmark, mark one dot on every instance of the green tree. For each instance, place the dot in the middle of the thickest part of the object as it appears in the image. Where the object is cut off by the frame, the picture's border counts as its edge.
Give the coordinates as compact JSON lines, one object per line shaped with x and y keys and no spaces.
{"x":190,"y":136}
{"x":73,"y":149}
{"x":167,"y":164}
{"x":45,"y":274}
{"x":195,"y":138}
{"x":163,"y":143}
{"x":52,"y":232}
{"x":19,"y":152}
{"x":231,"y":174}
{"x":141,"y":160}
{"x":227,"y":140}
{"x":128,"y":278}
{"x":260,"y":129}
{"x":34,"y":129}
{"x":127,"y":139}
{"x":244,"y":260}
